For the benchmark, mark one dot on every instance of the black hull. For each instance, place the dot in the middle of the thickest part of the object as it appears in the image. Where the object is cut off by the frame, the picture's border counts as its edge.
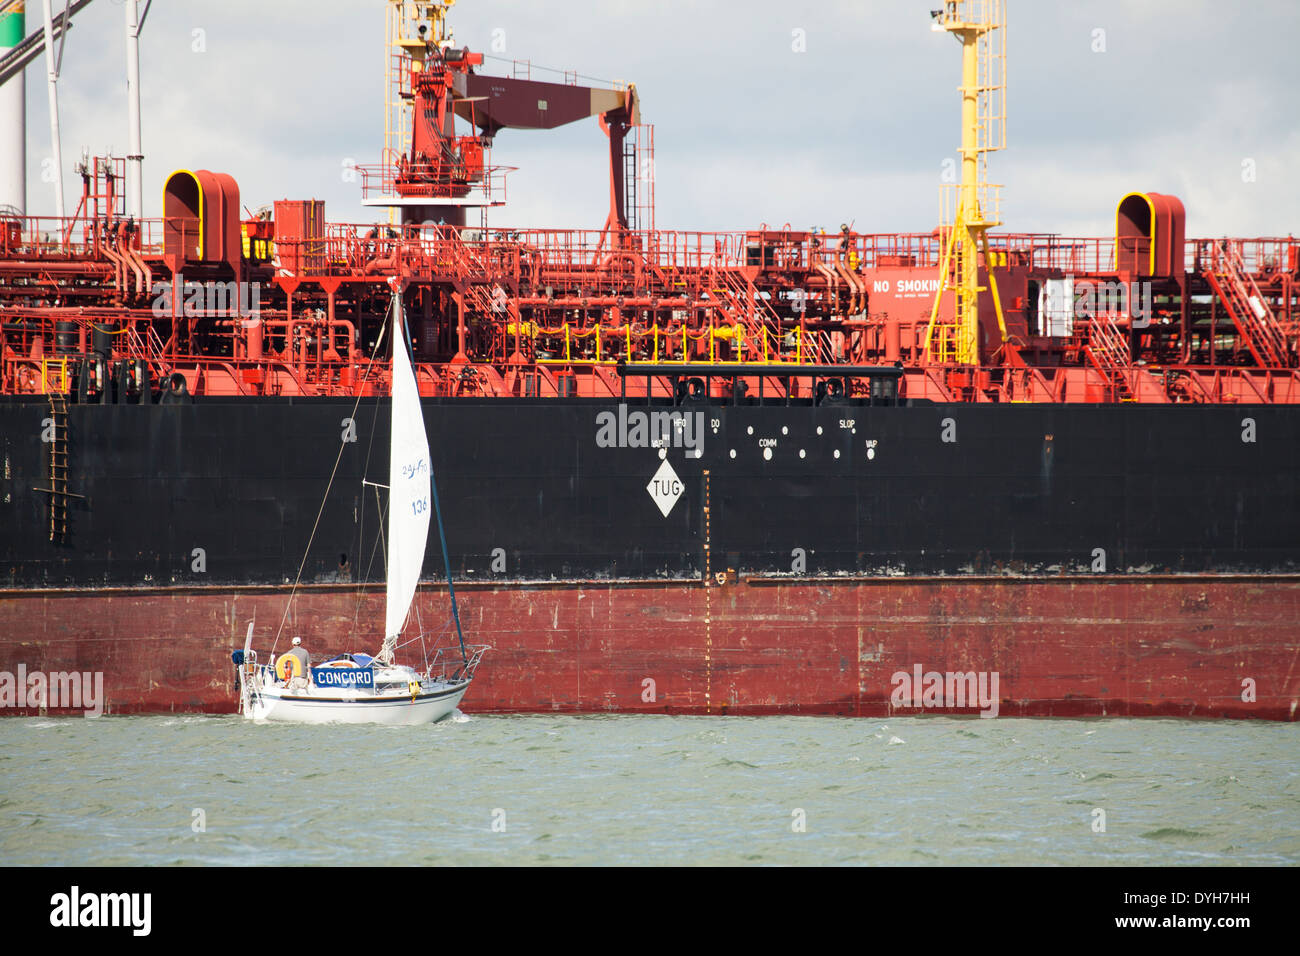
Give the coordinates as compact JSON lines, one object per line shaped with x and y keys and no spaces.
{"x":227,"y":492}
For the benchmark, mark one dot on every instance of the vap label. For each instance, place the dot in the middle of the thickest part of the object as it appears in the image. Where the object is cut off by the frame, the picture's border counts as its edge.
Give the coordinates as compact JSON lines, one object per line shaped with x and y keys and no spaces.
{"x":665,"y":488}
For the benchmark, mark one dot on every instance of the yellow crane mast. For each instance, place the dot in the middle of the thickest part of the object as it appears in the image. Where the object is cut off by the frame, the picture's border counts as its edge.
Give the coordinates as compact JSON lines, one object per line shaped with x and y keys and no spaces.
{"x":410,"y":24}
{"x":971,"y":207}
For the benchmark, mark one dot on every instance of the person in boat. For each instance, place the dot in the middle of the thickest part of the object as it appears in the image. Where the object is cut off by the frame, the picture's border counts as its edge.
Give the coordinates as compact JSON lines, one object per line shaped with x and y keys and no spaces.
{"x":304,"y":661}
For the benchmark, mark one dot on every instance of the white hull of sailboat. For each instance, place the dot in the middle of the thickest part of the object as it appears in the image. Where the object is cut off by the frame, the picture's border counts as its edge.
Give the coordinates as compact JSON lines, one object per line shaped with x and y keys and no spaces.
{"x":393,"y":711}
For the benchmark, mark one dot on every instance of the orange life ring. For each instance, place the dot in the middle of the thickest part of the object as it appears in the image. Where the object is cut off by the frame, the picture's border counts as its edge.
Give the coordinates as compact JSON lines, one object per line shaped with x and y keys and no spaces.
{"x":288,"y":666}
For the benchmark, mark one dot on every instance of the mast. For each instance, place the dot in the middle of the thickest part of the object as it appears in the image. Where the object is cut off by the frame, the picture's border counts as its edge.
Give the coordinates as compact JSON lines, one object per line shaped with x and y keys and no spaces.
{"x":972,"y":207}
{"x":411,"y":484}
{"x":408,"y":489}
{"x":135,"y":160}
{"x":52,"y":61}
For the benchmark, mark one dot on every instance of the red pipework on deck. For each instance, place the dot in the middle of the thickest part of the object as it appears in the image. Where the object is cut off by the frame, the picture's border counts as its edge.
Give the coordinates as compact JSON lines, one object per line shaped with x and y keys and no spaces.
{"x":291,"y":304}
{"x":566,"y":303}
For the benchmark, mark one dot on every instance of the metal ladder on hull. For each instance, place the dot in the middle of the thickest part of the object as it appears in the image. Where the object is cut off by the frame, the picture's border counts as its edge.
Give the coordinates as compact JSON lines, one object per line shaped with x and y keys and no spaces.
{"x":57,"y":423}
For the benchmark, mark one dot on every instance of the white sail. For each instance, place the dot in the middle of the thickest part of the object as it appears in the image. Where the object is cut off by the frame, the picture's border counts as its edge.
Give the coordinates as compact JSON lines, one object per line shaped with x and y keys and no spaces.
{"x":409,"y":501}
{"x":346,"y":688}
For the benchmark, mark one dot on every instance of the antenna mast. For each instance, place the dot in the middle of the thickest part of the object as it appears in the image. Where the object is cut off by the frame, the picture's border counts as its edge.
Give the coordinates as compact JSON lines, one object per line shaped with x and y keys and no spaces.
{"x":134,"y":161}
{"x":972,"y":207}
{"x":53,"y":60}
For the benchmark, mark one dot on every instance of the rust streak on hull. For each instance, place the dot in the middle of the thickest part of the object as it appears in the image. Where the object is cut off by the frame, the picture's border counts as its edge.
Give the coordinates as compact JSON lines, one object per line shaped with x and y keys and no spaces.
{"x":1133,"y":646}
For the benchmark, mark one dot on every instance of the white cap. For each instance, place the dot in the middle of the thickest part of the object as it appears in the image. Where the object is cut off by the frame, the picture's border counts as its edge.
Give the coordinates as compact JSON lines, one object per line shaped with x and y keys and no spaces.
{"x":297,"y":641}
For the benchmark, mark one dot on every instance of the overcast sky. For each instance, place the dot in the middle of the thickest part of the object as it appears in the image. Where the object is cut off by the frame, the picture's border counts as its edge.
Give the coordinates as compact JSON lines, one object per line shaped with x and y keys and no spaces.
{"x":1189,"y":97}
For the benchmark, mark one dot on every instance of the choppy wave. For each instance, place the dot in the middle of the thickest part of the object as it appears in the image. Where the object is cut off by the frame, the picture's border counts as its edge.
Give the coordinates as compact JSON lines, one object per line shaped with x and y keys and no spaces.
{"x":558,"y":790}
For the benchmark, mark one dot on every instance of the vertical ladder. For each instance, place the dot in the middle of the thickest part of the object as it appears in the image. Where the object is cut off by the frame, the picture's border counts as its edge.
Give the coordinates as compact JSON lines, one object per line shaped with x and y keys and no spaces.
{"x":58,"y":472}
{"x":970,"y":208}
{"x":630,"y":207}
{"x":639,"y":178}
{"x":645,"y":146}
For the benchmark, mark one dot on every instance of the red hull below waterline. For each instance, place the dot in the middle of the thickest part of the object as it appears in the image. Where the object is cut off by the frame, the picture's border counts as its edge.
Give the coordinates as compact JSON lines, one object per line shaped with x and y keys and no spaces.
{"x":1169,"y":646}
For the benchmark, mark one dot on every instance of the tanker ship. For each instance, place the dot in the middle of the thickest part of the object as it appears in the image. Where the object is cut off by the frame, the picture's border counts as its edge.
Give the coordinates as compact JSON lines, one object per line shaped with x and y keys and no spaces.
{"x":752,"y":472}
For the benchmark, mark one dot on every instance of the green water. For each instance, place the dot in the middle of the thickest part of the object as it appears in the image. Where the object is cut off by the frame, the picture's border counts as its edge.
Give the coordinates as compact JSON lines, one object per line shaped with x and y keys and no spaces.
{"x":649,"y":790}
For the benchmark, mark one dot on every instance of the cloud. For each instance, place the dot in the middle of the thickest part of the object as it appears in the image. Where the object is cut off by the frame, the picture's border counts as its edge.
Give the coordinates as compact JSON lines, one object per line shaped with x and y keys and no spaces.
{"x":748,"y":129}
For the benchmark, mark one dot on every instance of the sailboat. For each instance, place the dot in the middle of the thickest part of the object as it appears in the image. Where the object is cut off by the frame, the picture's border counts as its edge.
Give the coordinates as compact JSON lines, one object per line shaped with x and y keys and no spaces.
{"x":364,"y":688}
